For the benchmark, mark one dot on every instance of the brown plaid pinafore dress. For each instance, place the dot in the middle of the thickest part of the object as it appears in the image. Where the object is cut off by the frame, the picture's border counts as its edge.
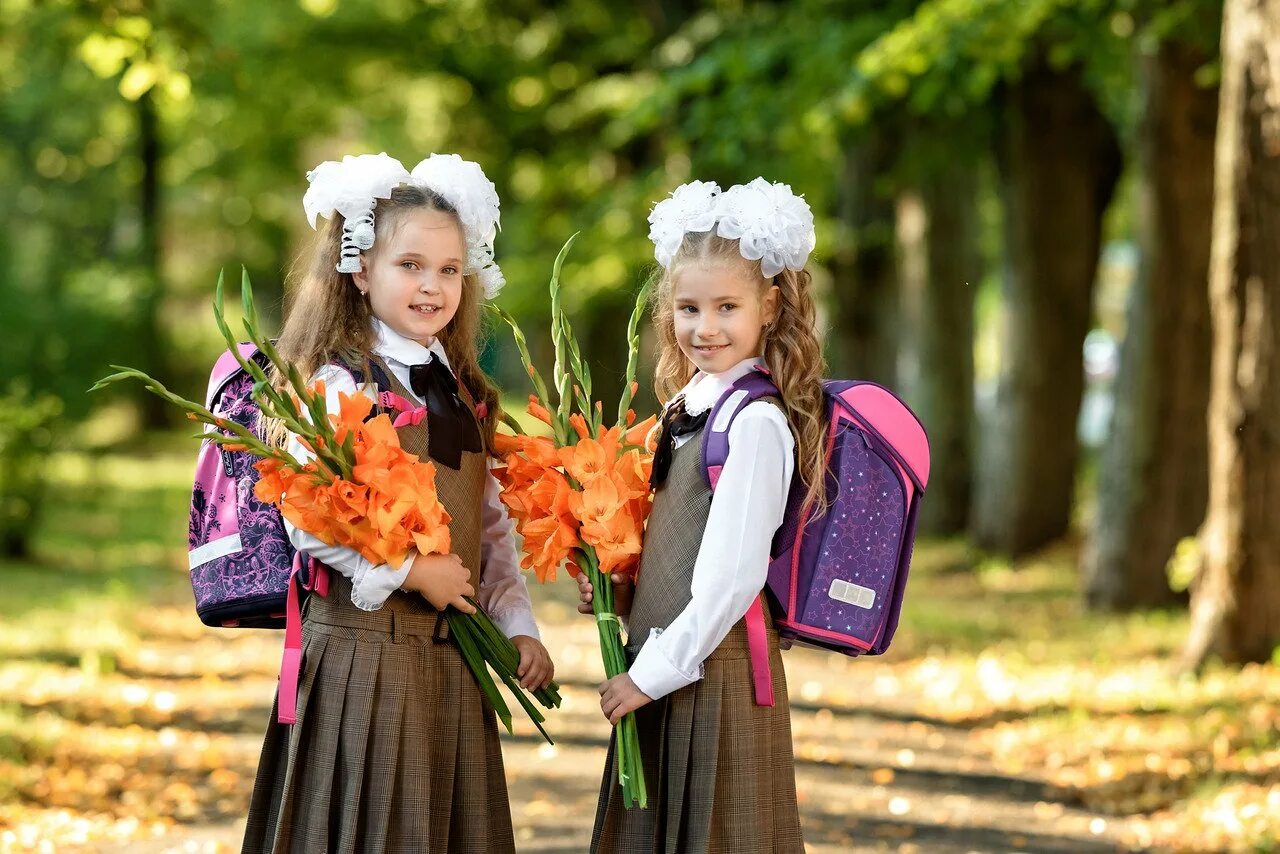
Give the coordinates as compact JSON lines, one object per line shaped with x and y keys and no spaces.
{"x":395,"y":749}
{"x":719,"y":768}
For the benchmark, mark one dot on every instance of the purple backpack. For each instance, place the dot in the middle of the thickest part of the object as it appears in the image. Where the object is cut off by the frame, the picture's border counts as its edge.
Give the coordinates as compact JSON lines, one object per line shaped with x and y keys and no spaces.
{"x":240,"y":556}
{"x":837,"y":578}
{"x":244,"y":571}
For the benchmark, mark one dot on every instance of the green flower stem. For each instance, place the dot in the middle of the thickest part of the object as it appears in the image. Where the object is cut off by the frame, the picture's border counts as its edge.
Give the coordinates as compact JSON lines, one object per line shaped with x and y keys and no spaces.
{"x":461,"y":631}
{"x":276,"y":404}
{"x":633,"y":352}
{"x":626,"y":737}
{"x":539,"y":385}
{"x":560,"y":337}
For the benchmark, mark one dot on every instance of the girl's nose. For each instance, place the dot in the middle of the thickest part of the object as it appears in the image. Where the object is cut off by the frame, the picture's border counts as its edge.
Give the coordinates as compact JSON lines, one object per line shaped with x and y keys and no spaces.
{"x":428,"y":284}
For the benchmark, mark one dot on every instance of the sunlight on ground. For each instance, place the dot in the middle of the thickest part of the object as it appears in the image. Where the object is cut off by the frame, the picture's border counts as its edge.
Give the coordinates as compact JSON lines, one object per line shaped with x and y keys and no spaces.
{"x":125,"y":722}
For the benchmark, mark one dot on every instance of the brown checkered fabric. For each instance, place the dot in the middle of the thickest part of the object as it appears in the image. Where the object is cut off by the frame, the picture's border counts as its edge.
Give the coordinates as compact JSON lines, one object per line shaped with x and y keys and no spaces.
{"x":719,"y":768}
{"x":395,"y":749}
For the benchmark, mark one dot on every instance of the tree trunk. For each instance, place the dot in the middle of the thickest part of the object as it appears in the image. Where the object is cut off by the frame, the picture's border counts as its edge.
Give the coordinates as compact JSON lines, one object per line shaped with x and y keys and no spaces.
{"x":1235,"y":599}
{"x":1059,"y":163}
{"x":864,"y":282}
{"x":944,"y":342}
{"x":155,"y":357}
{"x":1154,"y":475}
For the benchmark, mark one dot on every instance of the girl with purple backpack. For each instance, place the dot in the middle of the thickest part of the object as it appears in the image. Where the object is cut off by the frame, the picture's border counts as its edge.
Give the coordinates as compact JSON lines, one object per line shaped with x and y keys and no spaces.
{"x":733,"y":299}
{"x":394,"y":746}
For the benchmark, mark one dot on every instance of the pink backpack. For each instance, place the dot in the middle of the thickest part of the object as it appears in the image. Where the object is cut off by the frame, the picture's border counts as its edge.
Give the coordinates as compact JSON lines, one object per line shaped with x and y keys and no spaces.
{"x":244,"y":571}
{"x":239,"y":555}
{"x":836,"y":578}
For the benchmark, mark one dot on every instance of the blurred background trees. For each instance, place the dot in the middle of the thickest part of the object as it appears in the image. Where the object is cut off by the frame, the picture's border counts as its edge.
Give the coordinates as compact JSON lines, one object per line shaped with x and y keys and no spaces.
{"x":1016,"y":207}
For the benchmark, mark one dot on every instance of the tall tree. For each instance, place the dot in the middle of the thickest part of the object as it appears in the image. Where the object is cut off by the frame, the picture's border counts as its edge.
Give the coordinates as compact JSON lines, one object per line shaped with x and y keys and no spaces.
{"x":1153,"y":480}
{"x":944,"y":337}
{"x":1235,"y":598}
{"x":864,"y":272}
{"x":1039,"y":64}
{"x":1059,"y":161}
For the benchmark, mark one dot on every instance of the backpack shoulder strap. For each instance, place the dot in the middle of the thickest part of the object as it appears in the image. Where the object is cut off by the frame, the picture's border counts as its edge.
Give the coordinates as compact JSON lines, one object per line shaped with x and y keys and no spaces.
{"x":715,"y":437}
{"x":225,"y":368}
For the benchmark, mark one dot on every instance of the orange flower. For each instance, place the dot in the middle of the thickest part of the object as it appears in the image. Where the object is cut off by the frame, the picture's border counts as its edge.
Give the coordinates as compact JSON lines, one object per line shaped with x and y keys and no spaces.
{"x":272,"y":481}
{"x":551,"y":495}
{"x":616,"y":540}
{"x":548,"y":541}
{"x":638,"y":435}
{"x":350,"y":501}
{"x":598,"y":501}
{"x":353,"y":409}
{"x":633,"y":470}
{"x":538,"y":411}
{"x":590,"y":457}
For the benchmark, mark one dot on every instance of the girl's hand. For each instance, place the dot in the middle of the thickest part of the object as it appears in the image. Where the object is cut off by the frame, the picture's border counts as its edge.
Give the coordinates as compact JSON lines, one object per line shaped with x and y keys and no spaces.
{"x":620,"y":695}
{"x":623,"y":590}
{"x":442,"y":580}
{"x":535,"y":670}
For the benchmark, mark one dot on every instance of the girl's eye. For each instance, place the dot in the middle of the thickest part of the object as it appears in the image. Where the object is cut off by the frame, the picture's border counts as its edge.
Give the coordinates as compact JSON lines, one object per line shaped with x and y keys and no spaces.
{"x":408,"y":265}
{"x":449,"y":271}
{"x":727,"y":307}
{"x":689,"y":309}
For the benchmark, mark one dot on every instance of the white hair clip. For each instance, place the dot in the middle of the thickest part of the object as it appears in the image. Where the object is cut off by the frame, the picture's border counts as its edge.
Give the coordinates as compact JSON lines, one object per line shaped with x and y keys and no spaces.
{"x":771,"y":223}
{"x":463,"y":184}
{"x":352,"y":188}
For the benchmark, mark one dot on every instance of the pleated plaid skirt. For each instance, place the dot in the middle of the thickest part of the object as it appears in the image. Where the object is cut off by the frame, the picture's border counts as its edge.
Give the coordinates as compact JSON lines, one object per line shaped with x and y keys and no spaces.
{"x":719,"y":768}
{"x":395,"y":749}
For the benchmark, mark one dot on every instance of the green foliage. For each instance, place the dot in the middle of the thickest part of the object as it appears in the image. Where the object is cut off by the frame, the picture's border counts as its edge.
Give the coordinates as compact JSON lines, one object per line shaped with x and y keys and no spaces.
{"x":26,"y":437}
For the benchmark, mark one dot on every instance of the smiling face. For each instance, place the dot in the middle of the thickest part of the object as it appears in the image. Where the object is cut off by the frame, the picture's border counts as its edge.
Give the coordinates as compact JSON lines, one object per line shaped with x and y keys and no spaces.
{"x":720,"y":311}
{"x":413,"y":276}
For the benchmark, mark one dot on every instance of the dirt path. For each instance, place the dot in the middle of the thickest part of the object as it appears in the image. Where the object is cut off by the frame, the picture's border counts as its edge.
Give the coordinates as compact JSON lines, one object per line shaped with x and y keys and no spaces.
{"x":873,"y":772}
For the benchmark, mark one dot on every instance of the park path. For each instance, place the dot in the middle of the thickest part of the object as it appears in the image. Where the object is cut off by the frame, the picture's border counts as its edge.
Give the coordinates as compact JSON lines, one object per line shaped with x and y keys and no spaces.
{"x":170,"y":730}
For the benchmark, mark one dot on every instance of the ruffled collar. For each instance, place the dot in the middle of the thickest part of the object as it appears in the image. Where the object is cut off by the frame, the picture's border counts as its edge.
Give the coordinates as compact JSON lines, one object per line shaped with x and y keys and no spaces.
{"x":702,"y":392}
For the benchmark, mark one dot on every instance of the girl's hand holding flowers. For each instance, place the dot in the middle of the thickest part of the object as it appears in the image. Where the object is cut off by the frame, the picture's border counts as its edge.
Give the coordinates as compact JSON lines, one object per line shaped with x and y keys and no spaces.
{"x":535,"y":669}
{"x":623,"y":588}
{"x":620,"y":696}
{"x":442,"y":580}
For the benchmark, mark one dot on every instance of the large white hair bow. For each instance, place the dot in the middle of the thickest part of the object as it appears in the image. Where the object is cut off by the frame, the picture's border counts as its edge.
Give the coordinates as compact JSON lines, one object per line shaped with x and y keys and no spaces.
{"x":771,"y":223}
{"x":352,"y":188}
{"x":463,"y":184}
{"x":691,"y":207}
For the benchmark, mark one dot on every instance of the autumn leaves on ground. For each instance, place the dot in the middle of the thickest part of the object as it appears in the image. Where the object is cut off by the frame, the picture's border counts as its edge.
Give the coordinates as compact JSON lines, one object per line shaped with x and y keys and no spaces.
{"x":1003,"y":718}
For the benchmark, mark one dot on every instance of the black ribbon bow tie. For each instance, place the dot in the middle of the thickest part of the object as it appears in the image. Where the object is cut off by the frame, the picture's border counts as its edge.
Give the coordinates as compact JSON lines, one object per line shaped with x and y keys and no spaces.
{"x":451,"y":426}
{"x":676,"y":422}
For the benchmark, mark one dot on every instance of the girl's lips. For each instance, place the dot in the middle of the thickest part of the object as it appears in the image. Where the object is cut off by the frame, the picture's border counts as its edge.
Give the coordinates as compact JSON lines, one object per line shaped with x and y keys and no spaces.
{"x":426,"y":310}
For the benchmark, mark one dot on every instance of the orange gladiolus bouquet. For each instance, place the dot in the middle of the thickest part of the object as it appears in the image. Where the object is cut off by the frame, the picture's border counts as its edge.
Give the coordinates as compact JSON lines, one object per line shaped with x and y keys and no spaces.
{"x":582,"y":494}
{"x":362,"y":490}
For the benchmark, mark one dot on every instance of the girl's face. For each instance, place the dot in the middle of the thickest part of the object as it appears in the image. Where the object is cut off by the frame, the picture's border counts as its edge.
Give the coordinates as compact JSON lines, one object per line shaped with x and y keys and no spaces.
{"x":414,"y":276}
{"x":720,"y":314}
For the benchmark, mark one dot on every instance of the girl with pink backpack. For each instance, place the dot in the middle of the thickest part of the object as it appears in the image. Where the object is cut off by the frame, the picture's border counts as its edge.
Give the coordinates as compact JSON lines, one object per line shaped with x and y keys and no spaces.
{"x":395,"y":748}
{"x":784,"y":510}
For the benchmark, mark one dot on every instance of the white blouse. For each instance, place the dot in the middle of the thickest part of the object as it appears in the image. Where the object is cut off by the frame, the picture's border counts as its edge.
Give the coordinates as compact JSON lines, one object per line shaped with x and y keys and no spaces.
{"x":503,"y":592}
{"x":733,"y":561}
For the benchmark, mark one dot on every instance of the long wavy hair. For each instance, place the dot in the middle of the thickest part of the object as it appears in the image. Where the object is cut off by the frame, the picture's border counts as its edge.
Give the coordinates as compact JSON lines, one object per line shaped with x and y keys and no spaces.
{"x":790,"y":348}
{"x":328,"y":319}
